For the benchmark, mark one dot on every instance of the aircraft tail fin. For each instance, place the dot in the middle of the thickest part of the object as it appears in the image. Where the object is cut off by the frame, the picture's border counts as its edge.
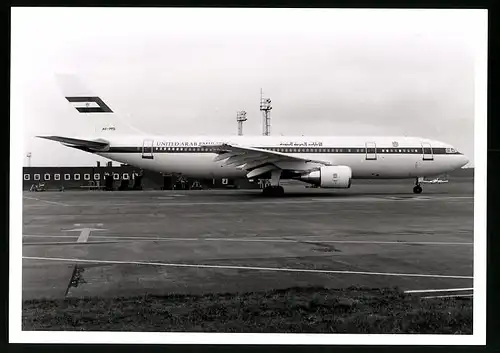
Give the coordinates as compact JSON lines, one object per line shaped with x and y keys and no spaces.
{"x":89,"y":105}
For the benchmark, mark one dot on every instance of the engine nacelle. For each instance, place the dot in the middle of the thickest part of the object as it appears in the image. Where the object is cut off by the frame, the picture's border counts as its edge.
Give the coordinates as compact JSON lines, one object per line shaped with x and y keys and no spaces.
{"x":330,"y":177}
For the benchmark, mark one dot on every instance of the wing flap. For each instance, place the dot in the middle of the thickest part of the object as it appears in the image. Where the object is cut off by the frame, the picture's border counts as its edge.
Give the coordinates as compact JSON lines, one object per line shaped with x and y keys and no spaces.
{"x":259,"y":161}
{"x":250,"y":152}
{"x":260,"y":171}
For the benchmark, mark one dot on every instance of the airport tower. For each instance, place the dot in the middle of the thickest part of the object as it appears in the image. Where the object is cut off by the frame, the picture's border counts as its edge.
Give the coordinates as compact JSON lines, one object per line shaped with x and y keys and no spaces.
{"x":265,"y":108}
{"x":241,"y":117}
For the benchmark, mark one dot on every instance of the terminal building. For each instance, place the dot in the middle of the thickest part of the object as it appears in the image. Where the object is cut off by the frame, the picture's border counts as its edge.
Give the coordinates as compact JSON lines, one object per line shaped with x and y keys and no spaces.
{"x":124,"y":177}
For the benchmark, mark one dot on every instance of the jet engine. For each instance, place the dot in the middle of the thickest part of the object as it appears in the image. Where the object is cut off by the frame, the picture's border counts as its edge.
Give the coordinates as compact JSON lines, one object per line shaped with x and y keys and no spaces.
{"x":329,"y":177}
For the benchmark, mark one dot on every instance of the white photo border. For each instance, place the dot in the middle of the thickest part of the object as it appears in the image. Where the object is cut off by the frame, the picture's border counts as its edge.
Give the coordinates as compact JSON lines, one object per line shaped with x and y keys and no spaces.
{"x":16,"y":335}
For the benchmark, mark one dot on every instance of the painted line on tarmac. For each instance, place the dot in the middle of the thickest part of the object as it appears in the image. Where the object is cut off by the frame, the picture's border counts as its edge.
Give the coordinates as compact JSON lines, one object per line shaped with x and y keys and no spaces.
{"x":214,"y":203}
{"x":121,"y":240}
{"x":278,"y":240}
{"x":84,"y":236}
{"x":280,"y":202}
{"x":457,"y":196}
{"x":438,"y":290}
{"x":72,"y":243}
{"x":309,"y":240}
{"x":270,"y":239}
{"x":82,"y":229}
{"x":393,"y":198}
{"x":88,"y":224}
{"x":228,"y":267}
{"x":48,"y":236}
{"x":122,"y":237}
{"x":448,"y":296}
{"x":49,"y":202}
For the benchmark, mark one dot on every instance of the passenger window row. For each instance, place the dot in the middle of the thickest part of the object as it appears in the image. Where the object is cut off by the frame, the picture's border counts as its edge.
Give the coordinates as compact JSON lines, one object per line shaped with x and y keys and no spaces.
{"x":186,"y":149}
{"x":76,"y":176}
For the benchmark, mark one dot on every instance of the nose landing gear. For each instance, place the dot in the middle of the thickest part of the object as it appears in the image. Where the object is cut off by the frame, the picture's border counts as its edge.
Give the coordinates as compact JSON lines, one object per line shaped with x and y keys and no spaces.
{"x":417,"y":189}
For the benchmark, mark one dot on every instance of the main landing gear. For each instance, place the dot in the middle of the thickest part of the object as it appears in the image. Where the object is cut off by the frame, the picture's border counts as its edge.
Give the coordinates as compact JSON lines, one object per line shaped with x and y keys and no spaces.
{"x":417,"y":189}
{"x":274,"y":189}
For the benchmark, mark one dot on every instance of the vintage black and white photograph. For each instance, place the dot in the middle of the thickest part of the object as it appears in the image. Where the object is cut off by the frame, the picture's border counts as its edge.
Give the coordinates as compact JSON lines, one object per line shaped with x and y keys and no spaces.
{"x":192,"y":171}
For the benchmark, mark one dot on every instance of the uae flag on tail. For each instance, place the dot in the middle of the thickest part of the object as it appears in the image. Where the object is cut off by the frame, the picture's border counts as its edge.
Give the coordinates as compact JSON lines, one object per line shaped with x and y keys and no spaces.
{"x":89,"y":105}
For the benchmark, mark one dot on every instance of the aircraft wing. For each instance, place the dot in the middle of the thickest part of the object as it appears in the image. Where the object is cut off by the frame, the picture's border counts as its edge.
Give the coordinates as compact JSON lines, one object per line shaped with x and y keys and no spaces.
{"x":98,"y":145}
{"x":258,"y":161}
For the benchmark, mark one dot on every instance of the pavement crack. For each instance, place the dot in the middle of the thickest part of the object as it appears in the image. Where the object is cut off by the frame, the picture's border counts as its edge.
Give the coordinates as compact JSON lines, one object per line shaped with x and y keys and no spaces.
{"x":322,"y":247}
{"x":76,"y":278}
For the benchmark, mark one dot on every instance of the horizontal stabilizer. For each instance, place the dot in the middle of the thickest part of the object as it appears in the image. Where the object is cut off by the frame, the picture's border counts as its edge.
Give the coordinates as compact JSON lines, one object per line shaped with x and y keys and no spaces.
{"x":98,"y":145}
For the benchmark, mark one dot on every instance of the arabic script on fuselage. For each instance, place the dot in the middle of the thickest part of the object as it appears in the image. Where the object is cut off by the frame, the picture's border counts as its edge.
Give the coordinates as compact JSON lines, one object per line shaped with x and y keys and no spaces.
{"x":302,"y":144}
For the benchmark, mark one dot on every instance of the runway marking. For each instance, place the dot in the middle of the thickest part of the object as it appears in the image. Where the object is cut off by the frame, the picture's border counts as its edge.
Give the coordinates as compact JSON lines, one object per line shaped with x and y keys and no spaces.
{"x":227,"y":267}
{"x":49,"y":202}
{"x":88,"y":224}
{"x":438,"y":290}
{"x":279,"y":240}
{"x":81,"y":229}
{"x":199,"y":203}
{"x":280,"y":202}
{"x":48,"y":236}
{"x":393,"y":198}
{"x":306,"y":240}
{"x":71,"y":243}
{"x":448,"y":296}
{"x":84,"y":236}
{"x":132,"y":239}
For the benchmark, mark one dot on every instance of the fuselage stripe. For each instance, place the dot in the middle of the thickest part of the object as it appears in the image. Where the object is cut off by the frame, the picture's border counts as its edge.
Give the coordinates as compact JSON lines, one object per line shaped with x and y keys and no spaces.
{"x":297,"y":150}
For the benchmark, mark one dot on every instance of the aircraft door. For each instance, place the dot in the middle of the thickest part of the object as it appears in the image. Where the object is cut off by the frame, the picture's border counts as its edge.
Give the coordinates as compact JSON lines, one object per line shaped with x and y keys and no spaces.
{"x":147,"y":149}
{"x":371,"y":150}
{"x":427,"y":154}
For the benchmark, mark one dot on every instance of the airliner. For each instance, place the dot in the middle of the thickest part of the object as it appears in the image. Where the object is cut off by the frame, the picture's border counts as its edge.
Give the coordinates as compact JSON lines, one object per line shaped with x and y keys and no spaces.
{"x":322,"y":161}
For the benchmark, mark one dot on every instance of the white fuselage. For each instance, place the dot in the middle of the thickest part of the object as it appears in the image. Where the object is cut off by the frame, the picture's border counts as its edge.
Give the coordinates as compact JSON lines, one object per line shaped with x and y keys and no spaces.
{"x":369,"y":157}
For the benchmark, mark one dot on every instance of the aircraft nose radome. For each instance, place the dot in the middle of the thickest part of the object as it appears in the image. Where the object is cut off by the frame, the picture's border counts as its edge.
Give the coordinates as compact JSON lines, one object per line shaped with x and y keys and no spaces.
{"x":464,"y":161}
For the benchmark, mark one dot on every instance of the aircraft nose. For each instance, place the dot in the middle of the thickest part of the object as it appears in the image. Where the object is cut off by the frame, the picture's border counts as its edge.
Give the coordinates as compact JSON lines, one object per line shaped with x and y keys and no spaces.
{"x":464,"y":160}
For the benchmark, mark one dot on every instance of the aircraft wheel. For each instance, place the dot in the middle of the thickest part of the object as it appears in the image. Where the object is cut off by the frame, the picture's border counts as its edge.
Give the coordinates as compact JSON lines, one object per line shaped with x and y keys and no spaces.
{"x":417,"y":189}
{"x":273,"y":191}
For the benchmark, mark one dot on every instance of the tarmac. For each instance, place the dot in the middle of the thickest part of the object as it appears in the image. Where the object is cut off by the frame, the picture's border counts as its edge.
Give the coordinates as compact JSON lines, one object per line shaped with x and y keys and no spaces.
{"x":128,"y":243}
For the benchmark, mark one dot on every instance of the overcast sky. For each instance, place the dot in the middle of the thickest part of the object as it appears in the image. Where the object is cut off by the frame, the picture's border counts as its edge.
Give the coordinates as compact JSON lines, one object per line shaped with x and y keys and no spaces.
{"x":188,"y":71}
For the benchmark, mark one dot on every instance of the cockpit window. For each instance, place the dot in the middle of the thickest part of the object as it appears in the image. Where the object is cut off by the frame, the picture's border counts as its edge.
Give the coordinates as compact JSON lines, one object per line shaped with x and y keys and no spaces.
{"x":451,"y":150}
